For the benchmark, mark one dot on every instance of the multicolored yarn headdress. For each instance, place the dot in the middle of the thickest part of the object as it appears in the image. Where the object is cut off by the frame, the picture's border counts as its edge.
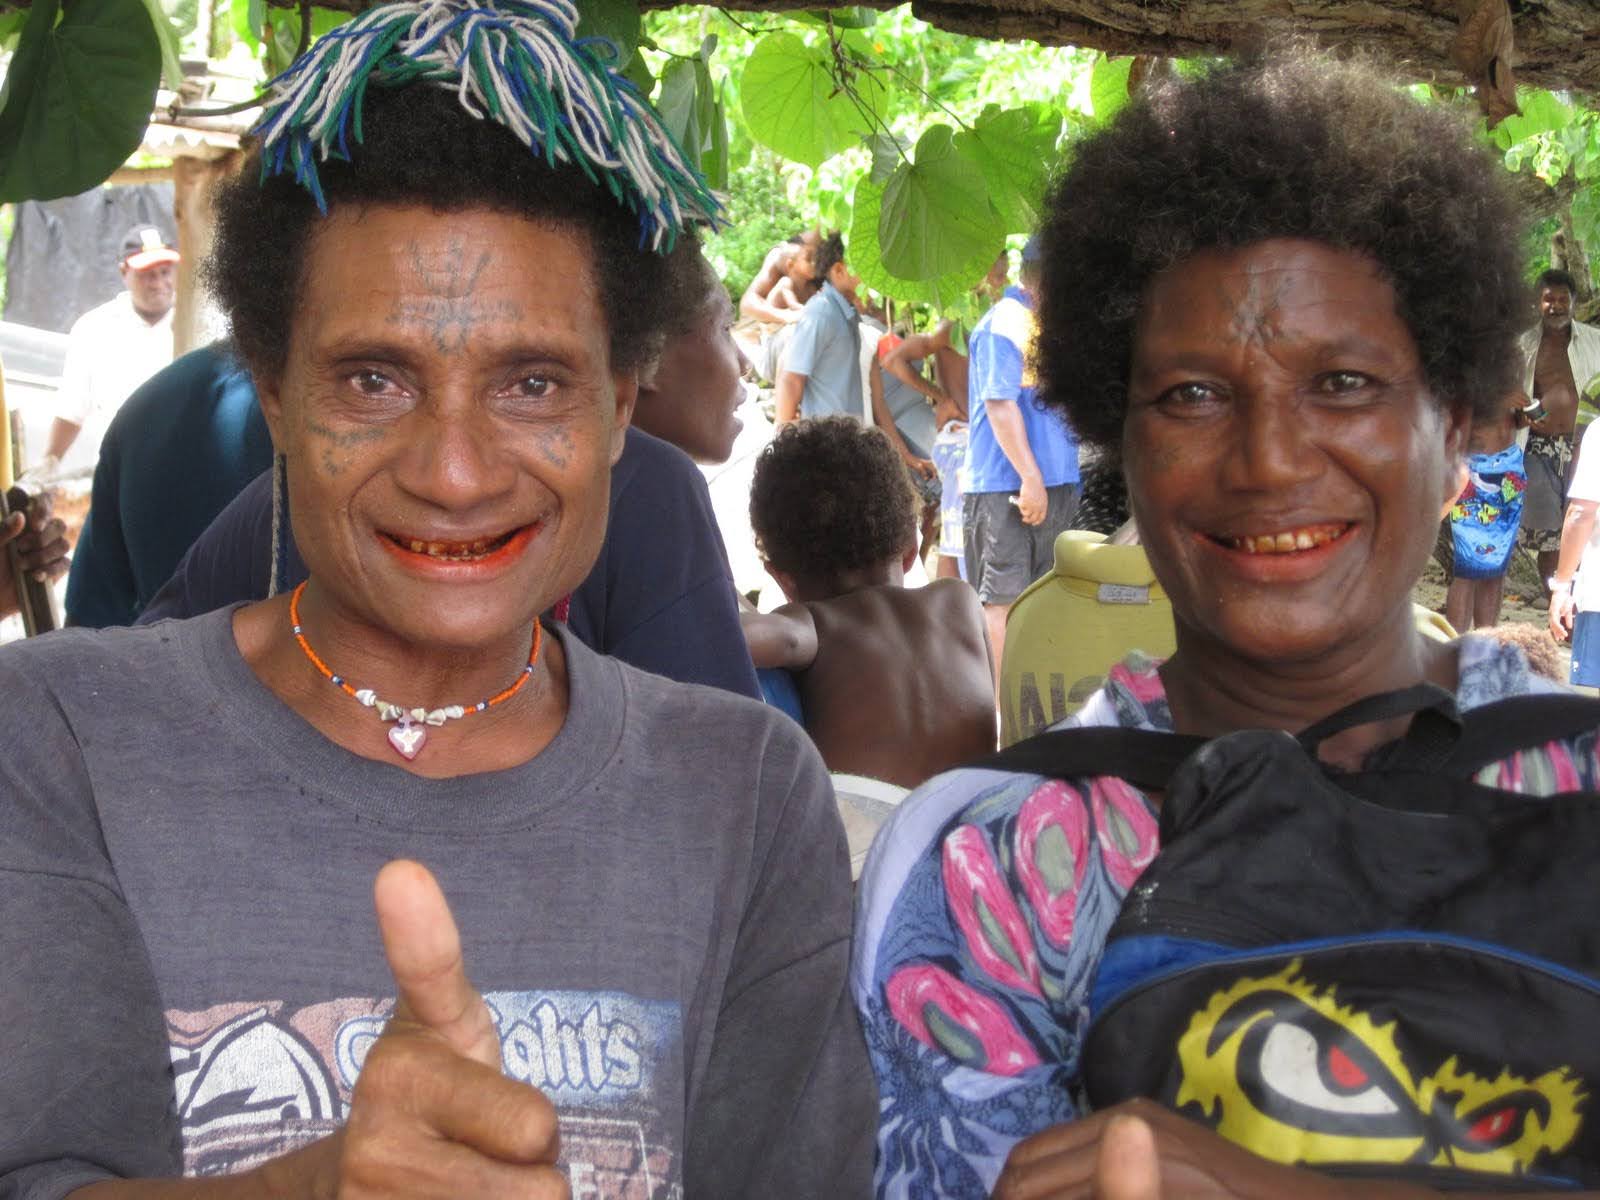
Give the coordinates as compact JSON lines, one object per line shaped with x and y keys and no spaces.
{"x":515,"y":62}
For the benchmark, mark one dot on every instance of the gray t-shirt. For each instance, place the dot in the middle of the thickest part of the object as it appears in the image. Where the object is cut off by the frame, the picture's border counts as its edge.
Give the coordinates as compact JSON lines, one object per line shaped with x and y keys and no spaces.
{"x":657,"y":909}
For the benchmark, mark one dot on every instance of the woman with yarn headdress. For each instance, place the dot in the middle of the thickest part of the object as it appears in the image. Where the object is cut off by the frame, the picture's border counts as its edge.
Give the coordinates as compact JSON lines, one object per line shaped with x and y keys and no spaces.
{"x":444,"y":266}
{"x":1277,"y":293}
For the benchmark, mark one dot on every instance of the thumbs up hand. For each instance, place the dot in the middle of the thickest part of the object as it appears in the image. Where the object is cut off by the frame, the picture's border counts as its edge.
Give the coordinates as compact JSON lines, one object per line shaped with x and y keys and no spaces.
{"x":432,"y":1115}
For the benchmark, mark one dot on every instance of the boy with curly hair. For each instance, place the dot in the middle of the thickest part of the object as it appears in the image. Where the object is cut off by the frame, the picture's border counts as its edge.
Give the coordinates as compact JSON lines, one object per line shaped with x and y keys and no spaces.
{"x":895,"y":682}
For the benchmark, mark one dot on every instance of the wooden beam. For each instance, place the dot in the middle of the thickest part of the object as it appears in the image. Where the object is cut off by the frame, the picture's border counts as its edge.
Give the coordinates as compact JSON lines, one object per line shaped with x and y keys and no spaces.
{"x":192,"y":196}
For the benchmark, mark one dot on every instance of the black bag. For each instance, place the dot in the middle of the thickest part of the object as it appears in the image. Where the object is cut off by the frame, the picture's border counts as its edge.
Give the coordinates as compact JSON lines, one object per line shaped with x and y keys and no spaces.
{"x":1393,"y":972}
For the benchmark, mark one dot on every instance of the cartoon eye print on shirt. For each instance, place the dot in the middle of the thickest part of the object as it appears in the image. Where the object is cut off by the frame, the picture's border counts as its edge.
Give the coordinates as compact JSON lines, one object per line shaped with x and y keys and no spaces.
{"x":1278,"y":1065}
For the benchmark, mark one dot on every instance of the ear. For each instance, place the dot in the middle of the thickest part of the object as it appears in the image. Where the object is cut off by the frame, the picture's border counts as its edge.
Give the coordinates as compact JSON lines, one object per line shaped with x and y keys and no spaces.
{"x":626,"y":388}
{"x":269,"y":395}
{"x":909,"y":557}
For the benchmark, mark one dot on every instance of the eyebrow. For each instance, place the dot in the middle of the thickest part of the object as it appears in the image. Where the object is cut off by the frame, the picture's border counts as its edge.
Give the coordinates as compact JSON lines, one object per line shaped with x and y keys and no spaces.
{"x":410,"y":352}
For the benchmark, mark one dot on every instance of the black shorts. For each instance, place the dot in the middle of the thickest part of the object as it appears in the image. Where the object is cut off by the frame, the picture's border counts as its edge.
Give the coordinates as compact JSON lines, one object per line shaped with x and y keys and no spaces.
{"x":1003,"y":555}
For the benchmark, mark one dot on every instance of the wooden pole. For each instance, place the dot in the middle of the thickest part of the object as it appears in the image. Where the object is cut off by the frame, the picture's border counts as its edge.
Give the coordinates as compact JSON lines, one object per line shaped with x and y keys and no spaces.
{"x":193,"y":180}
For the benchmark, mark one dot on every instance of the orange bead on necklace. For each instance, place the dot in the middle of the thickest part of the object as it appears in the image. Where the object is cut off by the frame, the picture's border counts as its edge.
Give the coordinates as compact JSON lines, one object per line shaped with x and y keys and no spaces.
{"x":410,"y":731}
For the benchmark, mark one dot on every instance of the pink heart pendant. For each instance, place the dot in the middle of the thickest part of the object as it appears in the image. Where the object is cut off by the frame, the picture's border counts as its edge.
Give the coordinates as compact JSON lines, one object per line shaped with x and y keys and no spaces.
{"x":408,"y":738}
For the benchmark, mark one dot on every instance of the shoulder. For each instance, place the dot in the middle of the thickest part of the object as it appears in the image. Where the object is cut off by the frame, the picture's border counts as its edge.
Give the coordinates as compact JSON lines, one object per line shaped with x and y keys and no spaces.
{"x":663,"y":490}
{"x":73,"y":669}
{"x":101,"y":316}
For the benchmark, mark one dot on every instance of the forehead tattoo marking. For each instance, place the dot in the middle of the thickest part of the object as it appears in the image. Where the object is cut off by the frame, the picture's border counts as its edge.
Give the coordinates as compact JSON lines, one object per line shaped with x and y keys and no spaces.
{"x":450,"y":312}
{"x":1257,"y":318}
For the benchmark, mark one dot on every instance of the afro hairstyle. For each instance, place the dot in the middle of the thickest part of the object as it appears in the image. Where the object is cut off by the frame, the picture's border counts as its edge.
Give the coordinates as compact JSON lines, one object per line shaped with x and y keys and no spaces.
{"x":1296,"y":145}
{"x":831,"y":496}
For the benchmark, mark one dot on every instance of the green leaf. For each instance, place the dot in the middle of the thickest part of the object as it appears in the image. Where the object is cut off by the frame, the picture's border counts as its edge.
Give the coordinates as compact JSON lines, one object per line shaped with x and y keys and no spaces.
{"x":676,"y":102}
{"x":887,"y":153}
{"x":616,"y":20}
{"x":637,"y":72}
{"x":866,"y":258}
{"x":1016,"y":151}
{"x":937,"y":219}
{"x":1541,"y":113}
{"x":714,"y":164}
{"x":1108,"y":86}
{"x":167,"y":35}
{"x":79,"y":98}
{"x":248,"y":18}
{"x":852,"y":17}
{"x":793,"y":106}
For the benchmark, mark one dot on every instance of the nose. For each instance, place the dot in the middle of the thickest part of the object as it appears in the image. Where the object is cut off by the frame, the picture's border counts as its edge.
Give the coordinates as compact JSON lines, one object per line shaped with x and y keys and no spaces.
{"x":455,"y":460}
{"x":1271,"y":444}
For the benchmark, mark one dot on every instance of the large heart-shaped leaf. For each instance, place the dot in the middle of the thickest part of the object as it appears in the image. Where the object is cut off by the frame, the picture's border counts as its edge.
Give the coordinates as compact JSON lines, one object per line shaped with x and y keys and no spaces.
{"x":80,"y":89}
{"x":676,"y":103}
{"x":792,"y":104}
{"x":866,"y":259}
{"x":937,"y":219}
{"x":1016,"y":151}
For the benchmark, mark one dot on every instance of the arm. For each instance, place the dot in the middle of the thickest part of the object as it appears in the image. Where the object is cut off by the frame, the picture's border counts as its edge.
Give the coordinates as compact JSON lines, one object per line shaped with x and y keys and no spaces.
{"x":918,"y":346}
{"x":1006,"y":420}
{"x":754,"y":302}
{"x":62,"y":434}
{"x":884,"y":420}
{"x":791,"y":387}
{"x":786,"y":1104}
{"x":1576,"y":527}
{"x":785,"y":637}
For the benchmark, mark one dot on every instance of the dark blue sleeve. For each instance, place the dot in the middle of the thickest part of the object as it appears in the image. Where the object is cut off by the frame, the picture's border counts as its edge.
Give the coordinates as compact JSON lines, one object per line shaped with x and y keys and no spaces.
{"x":231,"y":561}
{"x":101,"y":589}
{"x":669,"y":604}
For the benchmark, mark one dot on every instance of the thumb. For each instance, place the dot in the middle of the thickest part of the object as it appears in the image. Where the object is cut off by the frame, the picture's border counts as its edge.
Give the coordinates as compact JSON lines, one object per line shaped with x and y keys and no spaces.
{"x":11,"y":526}
{"x":423,"y":947}
{"x":1127,"y":1166}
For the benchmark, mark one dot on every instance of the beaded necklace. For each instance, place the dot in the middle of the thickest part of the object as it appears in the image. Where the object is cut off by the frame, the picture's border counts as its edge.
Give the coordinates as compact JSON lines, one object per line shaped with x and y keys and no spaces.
{"x":410,"y":732}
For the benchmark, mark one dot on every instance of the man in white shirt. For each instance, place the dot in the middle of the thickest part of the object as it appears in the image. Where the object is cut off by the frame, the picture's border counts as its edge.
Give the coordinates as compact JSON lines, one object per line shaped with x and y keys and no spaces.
{"x":1562,"y":356}
{"x":114,"y":348}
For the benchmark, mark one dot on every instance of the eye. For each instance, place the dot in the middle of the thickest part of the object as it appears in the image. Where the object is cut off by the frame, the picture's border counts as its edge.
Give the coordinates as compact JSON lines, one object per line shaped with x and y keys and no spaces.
{"x":1343,"y":383}
{"x":1189,"y":397}
{"x":533,"y":386}
{"x":1326,"y":1076}
{"x":371,"y":382}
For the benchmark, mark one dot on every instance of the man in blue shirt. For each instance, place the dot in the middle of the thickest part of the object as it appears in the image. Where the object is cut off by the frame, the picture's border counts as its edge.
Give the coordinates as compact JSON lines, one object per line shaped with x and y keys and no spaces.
{"x":1020,"y":480}
{"x":821,"y":374}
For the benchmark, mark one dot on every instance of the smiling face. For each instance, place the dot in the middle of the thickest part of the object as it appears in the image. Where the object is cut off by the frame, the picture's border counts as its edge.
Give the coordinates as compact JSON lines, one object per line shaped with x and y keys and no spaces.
{"x":449,"y":417}
{"x":1286,"y":461}
{"x":696,"y":390}
{"x":1555,"y":307}
{"x":153,"y":289}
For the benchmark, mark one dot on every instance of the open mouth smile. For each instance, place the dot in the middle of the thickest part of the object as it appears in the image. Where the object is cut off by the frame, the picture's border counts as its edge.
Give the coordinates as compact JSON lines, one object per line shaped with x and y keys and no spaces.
{"x":1286,"y":541}
{"x":471,"y":551}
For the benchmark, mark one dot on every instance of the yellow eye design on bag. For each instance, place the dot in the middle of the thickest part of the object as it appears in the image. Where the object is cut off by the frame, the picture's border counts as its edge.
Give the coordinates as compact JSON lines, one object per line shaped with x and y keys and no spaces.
{"x":1281,"y":1067}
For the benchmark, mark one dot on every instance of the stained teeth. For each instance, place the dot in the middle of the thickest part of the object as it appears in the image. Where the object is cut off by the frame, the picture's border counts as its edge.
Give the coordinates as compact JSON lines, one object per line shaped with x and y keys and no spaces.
{"x":1284,"y":543}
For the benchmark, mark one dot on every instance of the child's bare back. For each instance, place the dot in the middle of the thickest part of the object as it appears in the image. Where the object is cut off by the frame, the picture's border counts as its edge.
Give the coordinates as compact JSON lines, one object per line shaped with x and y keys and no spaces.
{"x":900,"y":688}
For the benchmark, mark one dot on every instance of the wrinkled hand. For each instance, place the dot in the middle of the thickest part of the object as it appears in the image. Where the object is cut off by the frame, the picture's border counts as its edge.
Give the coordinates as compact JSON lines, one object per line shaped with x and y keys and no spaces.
{"x":922,"y":466}
{"x":432,"y":1116}
{"x":1140,"y":1150}
{"x":40,"y":541}
{"x":1032,"y":503}
{"x":1562,"y":611}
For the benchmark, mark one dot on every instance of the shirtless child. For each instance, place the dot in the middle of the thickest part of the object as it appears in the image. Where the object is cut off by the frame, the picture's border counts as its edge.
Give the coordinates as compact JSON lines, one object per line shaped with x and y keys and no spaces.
{"x":895,"y":683}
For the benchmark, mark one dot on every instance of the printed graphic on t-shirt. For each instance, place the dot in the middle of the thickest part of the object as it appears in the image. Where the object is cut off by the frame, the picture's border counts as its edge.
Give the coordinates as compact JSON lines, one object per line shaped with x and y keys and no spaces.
{"x":255,"y":1080}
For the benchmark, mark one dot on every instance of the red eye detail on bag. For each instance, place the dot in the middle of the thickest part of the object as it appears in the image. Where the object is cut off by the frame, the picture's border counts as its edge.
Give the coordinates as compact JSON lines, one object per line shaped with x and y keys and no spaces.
{"x":1491,"y":1129}
{"x":1344,"y":1072}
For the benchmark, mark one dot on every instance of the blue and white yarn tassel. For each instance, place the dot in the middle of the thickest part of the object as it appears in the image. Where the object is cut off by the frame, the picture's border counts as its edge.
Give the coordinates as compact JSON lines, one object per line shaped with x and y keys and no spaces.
{"x":516,"y":62}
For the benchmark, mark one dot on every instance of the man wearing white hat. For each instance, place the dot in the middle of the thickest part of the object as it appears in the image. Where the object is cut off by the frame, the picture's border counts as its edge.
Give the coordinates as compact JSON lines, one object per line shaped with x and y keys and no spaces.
{"x":114,"y":348}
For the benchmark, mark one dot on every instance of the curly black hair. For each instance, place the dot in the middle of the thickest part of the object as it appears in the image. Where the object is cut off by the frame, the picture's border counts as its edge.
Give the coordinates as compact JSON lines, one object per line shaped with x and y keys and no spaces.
{"x":831,"y":251}
{"x":420,"y":147}
{"x":1293,"y":146}
{"x":1556,"y":277}
{"x":831,"y":496}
